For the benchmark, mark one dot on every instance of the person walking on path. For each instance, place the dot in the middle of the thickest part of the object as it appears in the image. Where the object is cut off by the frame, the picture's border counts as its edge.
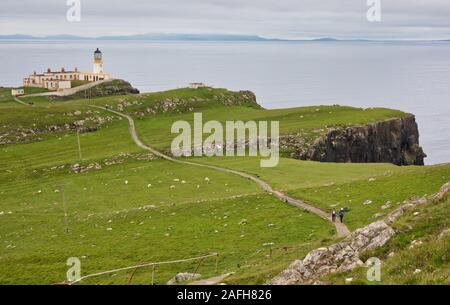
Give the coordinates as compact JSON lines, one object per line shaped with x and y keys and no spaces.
{"x":333,"y":216}
{"x":341,"y":215}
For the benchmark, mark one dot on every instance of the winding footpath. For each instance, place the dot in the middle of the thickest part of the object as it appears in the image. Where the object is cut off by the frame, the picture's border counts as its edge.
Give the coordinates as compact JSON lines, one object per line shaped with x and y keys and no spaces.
{"x":341,"y":229}
{"x":21,"y":102}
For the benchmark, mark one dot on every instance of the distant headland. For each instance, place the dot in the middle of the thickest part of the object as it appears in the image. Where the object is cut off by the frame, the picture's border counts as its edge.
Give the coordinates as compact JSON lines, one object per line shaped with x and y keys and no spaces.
{"x":192,"y":37}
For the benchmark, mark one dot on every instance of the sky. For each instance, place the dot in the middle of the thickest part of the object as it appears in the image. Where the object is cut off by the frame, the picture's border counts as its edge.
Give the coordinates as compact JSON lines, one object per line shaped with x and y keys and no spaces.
{"x":289,"y":19}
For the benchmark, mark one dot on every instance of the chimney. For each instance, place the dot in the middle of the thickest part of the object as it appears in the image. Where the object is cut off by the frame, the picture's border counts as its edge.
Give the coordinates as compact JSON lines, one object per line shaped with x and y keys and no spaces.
{"x":49,"y":70}
{"x":76,"y":69}
{"x":62,"y":70}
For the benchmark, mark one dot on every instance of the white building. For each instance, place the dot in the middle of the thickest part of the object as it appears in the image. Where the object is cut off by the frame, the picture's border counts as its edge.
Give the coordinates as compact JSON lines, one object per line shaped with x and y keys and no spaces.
{"x":196,"y":85}
{"x":63,"y":79}
{"x":17,"y":92}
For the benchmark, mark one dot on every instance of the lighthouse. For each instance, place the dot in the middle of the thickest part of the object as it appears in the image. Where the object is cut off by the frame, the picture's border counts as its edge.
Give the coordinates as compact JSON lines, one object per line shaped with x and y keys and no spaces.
{"x":98,"y":62}
{"x":62,"y":79}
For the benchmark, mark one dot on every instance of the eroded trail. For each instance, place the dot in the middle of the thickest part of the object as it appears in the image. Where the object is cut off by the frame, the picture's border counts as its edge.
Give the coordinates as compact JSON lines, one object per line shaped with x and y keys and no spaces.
{"x":341,"y":229}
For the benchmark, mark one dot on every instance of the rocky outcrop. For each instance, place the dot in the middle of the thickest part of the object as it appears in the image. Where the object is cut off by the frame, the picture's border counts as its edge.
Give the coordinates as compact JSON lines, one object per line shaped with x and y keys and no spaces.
{"x":345,"y":255}
{"x":392,"y":141}
{"x":183,"y":277}
{"x":187,"y":104}
{"x":342,"y":256}
{"x":82,"y":121}
{"x":105,"y":88}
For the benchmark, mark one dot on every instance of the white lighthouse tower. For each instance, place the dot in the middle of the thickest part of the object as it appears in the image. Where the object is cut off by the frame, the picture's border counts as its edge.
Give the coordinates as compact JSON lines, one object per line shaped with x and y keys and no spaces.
{"x":98,"y":62}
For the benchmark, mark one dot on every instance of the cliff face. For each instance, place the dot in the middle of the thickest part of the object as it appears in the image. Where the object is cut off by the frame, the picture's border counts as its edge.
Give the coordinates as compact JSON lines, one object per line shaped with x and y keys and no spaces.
{"x":392,"y":141}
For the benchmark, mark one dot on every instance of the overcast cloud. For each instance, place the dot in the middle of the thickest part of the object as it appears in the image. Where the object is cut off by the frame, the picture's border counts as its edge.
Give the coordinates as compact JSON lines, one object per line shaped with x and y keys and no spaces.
{"x":401,"y":19}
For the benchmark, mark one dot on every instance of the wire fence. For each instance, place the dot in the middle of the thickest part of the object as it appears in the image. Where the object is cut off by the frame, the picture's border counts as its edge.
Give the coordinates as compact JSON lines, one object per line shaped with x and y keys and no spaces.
{"x":152,"y":265}
{"x":269,"y":251}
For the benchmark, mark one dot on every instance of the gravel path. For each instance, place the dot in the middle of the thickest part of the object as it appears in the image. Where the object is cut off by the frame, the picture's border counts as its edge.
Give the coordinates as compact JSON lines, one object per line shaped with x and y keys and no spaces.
{"x":21,"y":102}
{"x":341,"y":229}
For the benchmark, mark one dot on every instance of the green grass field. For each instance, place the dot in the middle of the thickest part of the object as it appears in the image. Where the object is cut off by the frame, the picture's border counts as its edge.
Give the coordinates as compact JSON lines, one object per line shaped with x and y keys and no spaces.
{"x":132,"y":209}
{"x":336,"y":185}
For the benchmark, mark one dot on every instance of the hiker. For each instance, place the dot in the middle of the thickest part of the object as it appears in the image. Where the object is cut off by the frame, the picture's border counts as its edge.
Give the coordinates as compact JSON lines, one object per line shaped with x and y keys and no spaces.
{"x":341,"y":215}
{"x":333,"y":216}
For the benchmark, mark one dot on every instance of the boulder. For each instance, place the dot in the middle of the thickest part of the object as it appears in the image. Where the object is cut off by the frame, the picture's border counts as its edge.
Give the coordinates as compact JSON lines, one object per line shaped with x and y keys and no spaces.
{"x":183,"y":277}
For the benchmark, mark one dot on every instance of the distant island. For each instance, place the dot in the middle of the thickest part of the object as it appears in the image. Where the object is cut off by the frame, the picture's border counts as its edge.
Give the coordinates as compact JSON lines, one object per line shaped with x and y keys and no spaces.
{"x":145,"y":37}
{"x":184,"y":37}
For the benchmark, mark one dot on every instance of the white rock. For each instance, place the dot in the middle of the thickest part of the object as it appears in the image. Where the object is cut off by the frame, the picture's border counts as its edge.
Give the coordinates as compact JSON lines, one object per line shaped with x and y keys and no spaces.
{"x":388,"y":205}
{"x":183,"y":277}
{"x":415,"y":243}
{"x":417,"y":271}
{"x":367,"y":202}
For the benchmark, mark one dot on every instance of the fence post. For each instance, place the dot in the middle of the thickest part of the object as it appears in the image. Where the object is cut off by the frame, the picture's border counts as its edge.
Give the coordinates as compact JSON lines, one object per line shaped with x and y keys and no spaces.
{"x":153,"y":274}
{"x":217,"y":262}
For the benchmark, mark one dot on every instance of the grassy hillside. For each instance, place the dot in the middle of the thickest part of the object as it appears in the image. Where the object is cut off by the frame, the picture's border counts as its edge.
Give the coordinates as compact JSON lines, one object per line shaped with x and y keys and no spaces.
{"x":364,"y":189}
{"x":127,"y":207}
{"x":418,"y":254}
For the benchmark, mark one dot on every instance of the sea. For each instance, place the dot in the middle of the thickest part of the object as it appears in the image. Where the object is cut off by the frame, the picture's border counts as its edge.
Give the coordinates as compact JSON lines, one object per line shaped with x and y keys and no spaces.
{"x":410,"y":76}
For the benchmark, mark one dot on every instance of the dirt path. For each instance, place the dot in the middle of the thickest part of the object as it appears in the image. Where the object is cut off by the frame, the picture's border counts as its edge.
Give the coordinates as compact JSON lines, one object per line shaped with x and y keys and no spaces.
{"x":21,"y":102}
{"x":341,"y":229}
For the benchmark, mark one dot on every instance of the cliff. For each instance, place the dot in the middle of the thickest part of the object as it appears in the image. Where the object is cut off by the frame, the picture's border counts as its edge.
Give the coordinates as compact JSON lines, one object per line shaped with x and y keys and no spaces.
{"x":392,"y":141}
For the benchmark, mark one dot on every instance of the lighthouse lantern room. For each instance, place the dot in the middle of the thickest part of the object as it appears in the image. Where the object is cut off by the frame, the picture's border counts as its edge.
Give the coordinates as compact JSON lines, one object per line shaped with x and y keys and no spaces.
{"x":98,"y":62}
